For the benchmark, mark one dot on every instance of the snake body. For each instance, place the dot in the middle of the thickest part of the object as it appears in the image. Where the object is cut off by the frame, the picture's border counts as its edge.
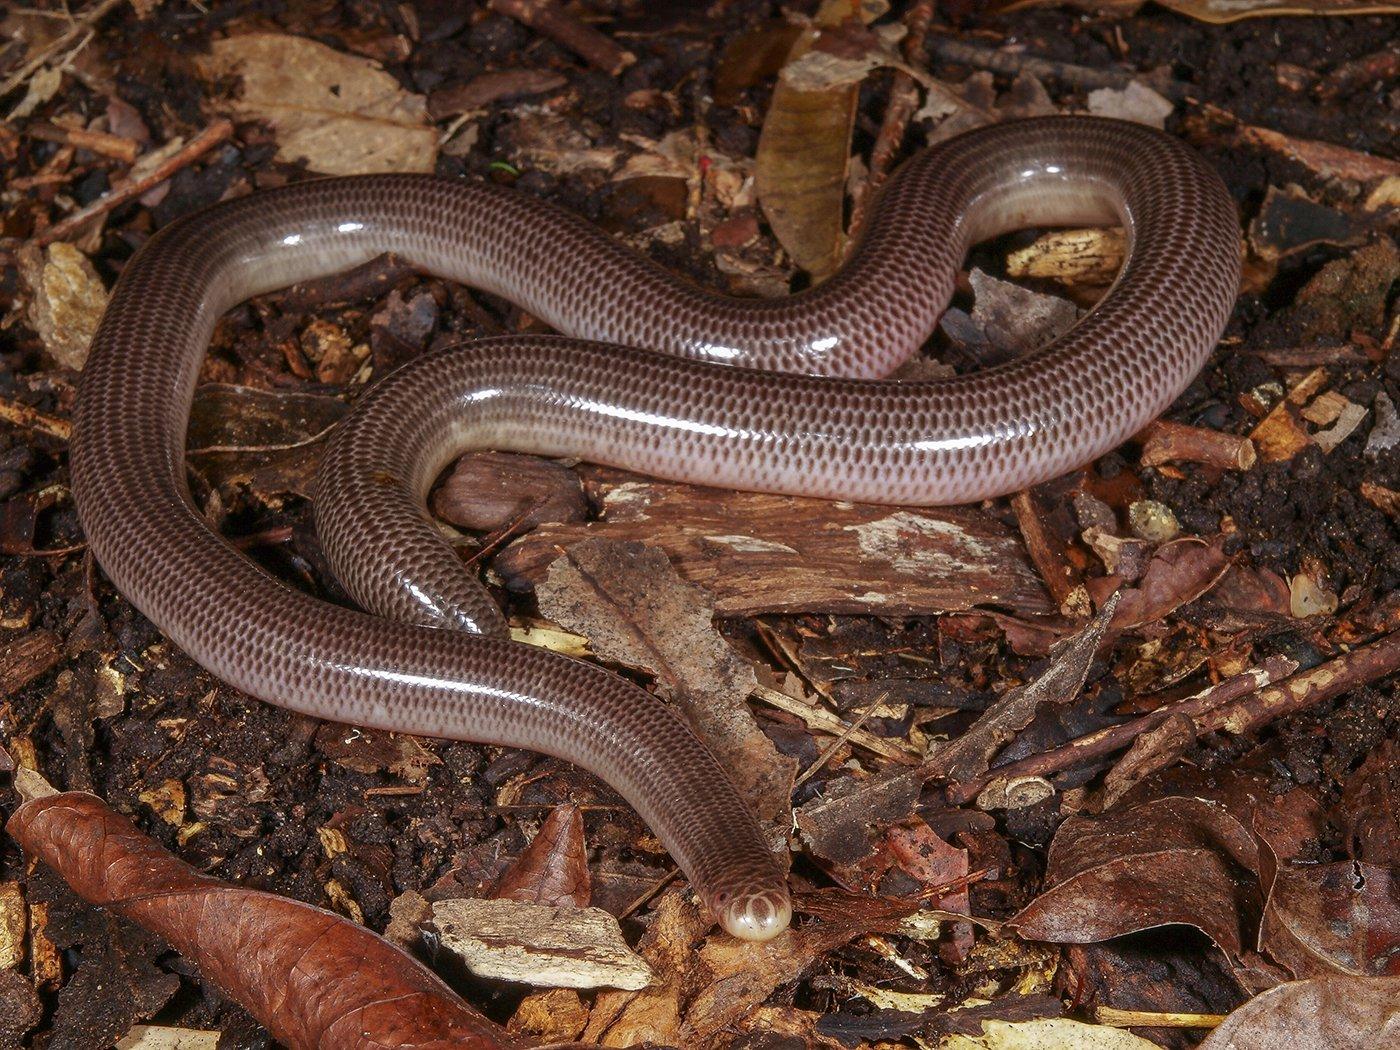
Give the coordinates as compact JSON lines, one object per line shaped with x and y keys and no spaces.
{"x":653,"y":374}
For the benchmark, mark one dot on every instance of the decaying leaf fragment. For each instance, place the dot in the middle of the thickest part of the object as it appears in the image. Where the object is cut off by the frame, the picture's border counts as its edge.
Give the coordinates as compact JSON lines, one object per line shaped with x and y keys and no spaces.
{"x":1335,"y":1012}
{"x":66,"y":300}
{"x":804,"y":152}
{"x":635,"y":610}
{"x":969,"y":755}
{"x":1050,"y":1033}
{"x":341,"y":114}
{"x":1076,"y":258}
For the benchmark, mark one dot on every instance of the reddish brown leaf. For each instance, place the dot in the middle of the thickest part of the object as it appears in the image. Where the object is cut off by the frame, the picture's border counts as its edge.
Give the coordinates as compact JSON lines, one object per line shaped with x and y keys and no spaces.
{"x":554,"y":867}
{"x":496,"y":490}
{"x":310,"y":977}
{"x":924,"y":856}
{"x":1175,"y":860}
{"x":1180,"y":572}
{"x":1322,"y":918}
{"x":1370,"y":808}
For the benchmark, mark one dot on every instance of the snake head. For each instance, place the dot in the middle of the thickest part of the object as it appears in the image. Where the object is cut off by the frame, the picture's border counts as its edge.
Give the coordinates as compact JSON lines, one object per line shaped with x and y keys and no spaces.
{"x":758,"y":915}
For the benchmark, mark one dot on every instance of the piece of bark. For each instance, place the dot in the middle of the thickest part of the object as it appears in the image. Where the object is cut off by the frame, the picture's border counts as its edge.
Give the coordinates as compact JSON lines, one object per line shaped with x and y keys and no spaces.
{"x":758,"y":553}
{"x":1007,"y":321}
{"x":26,"y":658}
{"x":537,"y":944}
{"x":312,"y":978}
{"x":486,"y":88}
{"x":1082,"y":258}
{"x":1168,"y":442}
{"x":1051,"y":558}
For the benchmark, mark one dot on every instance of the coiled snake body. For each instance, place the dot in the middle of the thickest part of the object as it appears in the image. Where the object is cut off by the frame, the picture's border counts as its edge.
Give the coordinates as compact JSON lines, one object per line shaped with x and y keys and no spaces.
{"x":653,"y":374}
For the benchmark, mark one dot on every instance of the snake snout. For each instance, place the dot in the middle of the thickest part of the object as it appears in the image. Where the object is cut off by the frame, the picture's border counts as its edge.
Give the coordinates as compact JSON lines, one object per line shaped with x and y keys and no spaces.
{"x":757,"y":916}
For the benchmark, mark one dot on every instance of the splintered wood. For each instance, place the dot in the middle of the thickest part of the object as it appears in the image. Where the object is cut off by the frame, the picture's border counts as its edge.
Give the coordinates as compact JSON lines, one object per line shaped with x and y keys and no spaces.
{"x":759,"y":553}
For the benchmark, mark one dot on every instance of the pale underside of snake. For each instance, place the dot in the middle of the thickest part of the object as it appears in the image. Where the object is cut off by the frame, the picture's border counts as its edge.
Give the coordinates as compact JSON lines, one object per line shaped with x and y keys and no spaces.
{"x":653,"y":374}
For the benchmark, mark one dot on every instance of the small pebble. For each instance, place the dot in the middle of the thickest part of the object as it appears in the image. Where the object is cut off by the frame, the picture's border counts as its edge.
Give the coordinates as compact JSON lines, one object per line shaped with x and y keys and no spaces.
{"x":1153,"y":521}
{"x":1092,"y":511}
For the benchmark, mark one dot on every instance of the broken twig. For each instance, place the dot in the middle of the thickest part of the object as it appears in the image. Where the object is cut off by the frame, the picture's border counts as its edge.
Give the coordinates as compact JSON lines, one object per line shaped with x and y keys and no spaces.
{"x":197,"y":147}
{"x":1167,"y":442}
{"x":1104,"y":742}
{"x":546,"y":17}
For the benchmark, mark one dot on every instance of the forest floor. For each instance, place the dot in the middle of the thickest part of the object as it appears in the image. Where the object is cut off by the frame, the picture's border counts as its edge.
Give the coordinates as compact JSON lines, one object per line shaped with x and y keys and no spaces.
{"x":1162,"y":813}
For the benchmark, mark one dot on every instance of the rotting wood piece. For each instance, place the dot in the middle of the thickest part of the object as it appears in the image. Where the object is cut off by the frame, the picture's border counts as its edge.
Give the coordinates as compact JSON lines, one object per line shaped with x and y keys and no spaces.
{"x":759,"y":553}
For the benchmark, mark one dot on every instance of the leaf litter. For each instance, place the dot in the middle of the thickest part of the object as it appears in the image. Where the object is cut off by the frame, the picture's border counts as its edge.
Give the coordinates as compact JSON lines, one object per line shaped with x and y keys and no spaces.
{"x":1247,"y":542}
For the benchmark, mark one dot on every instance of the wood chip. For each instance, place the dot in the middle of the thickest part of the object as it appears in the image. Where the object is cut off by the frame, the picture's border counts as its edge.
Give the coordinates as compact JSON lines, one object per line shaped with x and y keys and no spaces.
{"x":66,"y":300}
{"x":158,"y":1037}
{"x":759,"y":553}
{"x":539,"y":945}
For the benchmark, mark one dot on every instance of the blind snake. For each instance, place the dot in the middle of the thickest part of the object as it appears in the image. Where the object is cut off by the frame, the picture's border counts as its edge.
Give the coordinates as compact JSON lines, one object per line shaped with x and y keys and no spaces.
{"x":652,"y":374}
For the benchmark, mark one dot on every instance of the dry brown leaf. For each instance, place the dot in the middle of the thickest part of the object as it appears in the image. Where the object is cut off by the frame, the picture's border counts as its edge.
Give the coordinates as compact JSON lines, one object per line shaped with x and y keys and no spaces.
{"x":653,"y":1015}
{"x":969,"y":755}
{"x":1007,"y":320}
{"x":554,"y":867}
{"x":496,"y":490}
{"x":341,"y":114}
{"x":1336,"y":1012}
{"x":844,"y":825}
{"x":804,"y":153}
{"x":1323,"y":918}
{"x":1173,"y":860}
{"x":1220,"y":12}
{"x":310,"y":977}
{"x":1180,"y":572}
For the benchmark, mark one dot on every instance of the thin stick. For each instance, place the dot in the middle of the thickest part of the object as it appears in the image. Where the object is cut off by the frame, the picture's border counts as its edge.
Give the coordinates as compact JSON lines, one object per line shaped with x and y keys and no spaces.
{"x":1009,"y":63}
{"x":824,"y":721}
{"x":103,"y":142}
{"x":32,"y":419}
{"x":656,"y":888}
{"x":1324,"y":682}
{"x":78,"y":28}
{"x":1096,"y":745}
{"x":825,"y":756}
{"x":545,"y":17}
{"x":1168,"y":442}
{"x":206,"y":140}
{"x":904,"y":100}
